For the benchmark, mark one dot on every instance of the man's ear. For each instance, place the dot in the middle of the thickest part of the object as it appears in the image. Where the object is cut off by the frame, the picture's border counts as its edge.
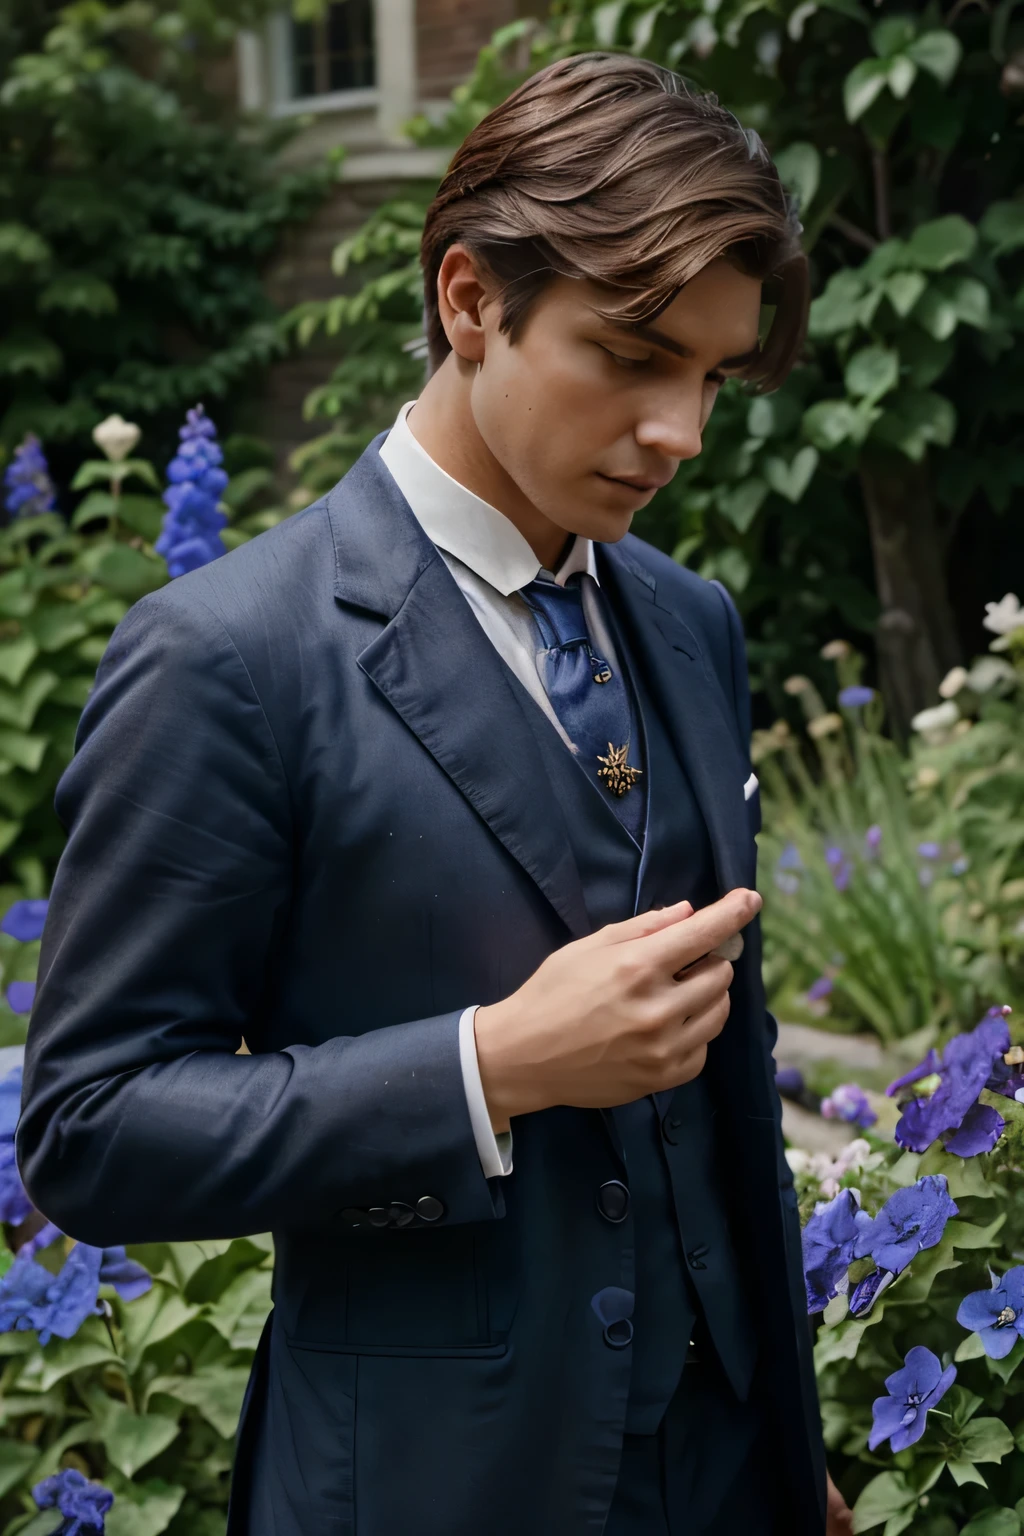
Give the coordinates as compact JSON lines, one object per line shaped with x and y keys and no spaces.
{"x":462,"y":290}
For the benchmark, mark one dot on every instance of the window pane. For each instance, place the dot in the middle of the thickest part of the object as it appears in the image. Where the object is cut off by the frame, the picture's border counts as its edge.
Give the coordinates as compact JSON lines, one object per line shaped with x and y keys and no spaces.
{"x":337,"y":53}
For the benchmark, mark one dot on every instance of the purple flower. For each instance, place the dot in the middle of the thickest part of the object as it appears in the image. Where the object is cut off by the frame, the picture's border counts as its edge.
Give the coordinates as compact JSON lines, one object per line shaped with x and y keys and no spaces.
{"x":787,"y":865}
{"x":910,"y":1220}
{"x":849,"y":1102}
{"x":789,"y":1082}
{"x":21,"y":996}
{"x":828,"y":1246}
{"x":872,"y":840}
{"x":46,"y":1235}
{"x":191,"y":527}
{"x":930,"y":850}
{"x":15,"y":1204}
{"x":920,"y":1384}
{"x":840,"y":866}
{"x":856,"y":696}
{"x":867,"y":1291}
{"x":25,"y":920}
{"x":966,"y":1066}
{"x":979,"y":1131}
{"x":931,"y":1064}
{"x":27,"y":479}
{"x":997,"y":1315}
{"x":83,"y":1504}
{"x":10,"y":1103}
{"x":819,"y":989}
{"x":30,"y":1297}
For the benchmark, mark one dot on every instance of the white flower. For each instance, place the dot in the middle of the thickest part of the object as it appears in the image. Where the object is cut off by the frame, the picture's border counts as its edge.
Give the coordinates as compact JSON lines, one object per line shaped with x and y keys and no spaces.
{"x":824,"y":725}
{"x":835,"y":650}
{"x":939,"y":718}
{"x":953,"y":682}
{"x":926,"y":777}
{"x":987,"y":671}
{"x":1004,"y":617}
{"x":116,"y":438}
{"x":797,"y":684}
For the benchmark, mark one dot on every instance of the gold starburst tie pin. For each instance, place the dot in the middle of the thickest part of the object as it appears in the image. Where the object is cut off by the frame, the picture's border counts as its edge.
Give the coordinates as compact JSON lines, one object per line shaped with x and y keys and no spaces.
{"x":617,"y":774}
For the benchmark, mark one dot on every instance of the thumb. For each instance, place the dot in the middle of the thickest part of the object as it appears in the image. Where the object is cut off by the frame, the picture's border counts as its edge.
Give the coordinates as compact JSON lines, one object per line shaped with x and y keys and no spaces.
{"x":643,"y":924}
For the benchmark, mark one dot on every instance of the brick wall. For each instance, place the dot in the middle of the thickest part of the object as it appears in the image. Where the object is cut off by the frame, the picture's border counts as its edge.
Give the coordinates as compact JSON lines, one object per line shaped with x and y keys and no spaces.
{"x":450,"y":34}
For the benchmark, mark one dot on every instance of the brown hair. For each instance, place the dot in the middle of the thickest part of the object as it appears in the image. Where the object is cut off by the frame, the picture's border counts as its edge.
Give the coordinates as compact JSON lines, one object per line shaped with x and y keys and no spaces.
{"x":608,"y":167}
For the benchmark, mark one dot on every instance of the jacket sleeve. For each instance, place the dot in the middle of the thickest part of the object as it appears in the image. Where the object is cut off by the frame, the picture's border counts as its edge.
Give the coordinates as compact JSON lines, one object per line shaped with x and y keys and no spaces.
{"x":139,"y":1120}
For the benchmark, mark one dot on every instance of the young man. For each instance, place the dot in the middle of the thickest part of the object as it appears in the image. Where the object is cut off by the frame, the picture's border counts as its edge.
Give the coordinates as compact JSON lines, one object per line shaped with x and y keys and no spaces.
{"x":439,"y":795}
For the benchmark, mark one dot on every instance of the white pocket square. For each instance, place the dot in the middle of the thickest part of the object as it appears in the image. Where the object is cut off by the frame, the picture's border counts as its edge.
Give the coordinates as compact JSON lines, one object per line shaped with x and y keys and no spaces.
{"x":750,"y":786}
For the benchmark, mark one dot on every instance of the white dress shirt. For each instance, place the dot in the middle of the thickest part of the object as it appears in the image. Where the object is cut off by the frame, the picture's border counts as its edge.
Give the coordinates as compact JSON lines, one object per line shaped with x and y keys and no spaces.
{"x":490,"y":560}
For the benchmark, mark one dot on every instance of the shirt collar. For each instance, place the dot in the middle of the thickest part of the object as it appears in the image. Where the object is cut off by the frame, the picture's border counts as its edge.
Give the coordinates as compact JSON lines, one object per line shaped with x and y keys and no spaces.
{"x":463,"y":524}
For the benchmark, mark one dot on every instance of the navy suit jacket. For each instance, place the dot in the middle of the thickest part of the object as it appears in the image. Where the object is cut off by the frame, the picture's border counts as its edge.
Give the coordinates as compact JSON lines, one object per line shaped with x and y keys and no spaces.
{"x":306,"y":808}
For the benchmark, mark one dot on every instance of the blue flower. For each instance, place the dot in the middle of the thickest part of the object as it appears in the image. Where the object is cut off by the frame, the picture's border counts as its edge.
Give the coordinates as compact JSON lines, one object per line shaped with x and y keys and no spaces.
{"x":967,"y":1063}
{"x":27,"y":479}
{"x":996,"y":1315}
{"x":83,"y":1504}
{"x":841,"y":868}
{"x":787,"y":868}
{"x":856,"y":696}
{"x":24,"y":920}
{"x":921,"y":1383}
{"x":828,"y":1246}
{"x":789,"y":1082}
{"x":930,"y":850}
{"x":30,"y":1297}
{"x":21,"y":995}
{"x":192,"y":524}
{"x":872,"y":840}
{"x":867,"y":1291}
{"x":849,"y":1102}
{"x":910,"y":1220}
{"x":819,"y":989}
{"x":15,"y":1205}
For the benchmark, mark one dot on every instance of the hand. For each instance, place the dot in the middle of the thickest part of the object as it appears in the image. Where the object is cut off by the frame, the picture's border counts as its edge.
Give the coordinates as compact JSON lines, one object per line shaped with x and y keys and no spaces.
{"x":625,"y":1012}
{"x":838,"y":1518}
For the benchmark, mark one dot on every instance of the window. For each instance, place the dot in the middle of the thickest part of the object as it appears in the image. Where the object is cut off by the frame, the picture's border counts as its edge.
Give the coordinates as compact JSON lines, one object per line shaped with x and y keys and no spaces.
{"x":335,"y":53}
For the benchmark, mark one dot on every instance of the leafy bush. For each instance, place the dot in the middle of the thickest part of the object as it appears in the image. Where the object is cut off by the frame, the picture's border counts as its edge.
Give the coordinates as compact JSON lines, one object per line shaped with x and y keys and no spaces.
{"x":895,"y":892}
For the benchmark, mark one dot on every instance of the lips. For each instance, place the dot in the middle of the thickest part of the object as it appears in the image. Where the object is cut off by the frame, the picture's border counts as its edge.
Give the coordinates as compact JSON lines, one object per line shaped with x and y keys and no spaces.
{"x":635,"y":482}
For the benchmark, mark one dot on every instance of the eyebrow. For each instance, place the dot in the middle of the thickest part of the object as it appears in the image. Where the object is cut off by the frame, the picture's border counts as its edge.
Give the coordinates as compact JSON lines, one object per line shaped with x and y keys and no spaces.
{"x":659,"y":339}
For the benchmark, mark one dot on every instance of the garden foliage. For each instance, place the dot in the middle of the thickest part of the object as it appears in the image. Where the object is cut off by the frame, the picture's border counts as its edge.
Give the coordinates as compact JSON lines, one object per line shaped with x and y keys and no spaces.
{"x":136,"y":210}
{"x":838,"y":499}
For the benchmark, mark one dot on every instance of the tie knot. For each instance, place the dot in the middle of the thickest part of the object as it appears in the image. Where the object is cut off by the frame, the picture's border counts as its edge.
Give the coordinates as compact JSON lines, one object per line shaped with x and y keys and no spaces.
{"x":558,"y":610}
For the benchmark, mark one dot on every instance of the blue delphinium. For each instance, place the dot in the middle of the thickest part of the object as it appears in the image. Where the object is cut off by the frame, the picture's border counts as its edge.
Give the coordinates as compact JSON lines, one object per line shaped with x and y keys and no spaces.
{"x":910,"y":1220}
{"x":192,"y":523}
{"x":953,"y":1110}
{"x":996,"y":1315}
{"x":27,"y":480}
{"x":917,"y":1386}
{"x":849,"y":1102}
{"x":15,"y":1205}
{"x":829,"y":1239}
{"x":82,"y":1504}
{"x":31,"y":1297}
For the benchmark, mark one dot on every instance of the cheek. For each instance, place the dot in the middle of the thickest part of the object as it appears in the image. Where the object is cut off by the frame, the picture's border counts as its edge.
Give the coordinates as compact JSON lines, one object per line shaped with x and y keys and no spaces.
{"x":544,"y":417}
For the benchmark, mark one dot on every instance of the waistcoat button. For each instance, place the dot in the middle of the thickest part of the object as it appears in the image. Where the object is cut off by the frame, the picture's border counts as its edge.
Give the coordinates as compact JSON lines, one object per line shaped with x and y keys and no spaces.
{"x":613,"y":1201}
{"x":619,"y":1335}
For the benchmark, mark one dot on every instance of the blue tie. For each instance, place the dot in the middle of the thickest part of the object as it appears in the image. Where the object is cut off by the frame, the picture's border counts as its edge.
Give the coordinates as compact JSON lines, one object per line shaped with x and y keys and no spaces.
{"x":590,"y":700}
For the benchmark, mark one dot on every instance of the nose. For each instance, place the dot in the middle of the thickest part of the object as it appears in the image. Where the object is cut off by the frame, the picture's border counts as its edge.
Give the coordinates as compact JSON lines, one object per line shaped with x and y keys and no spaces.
{"x":672,"y":424}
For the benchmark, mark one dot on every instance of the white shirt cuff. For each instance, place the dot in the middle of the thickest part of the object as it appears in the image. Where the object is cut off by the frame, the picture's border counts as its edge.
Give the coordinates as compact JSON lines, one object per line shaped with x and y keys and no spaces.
{"x":495,"y":1151}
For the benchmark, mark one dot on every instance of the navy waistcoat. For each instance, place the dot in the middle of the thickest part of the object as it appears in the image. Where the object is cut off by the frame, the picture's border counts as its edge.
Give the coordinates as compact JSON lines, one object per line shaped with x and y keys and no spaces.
{"x":685,"y":1261}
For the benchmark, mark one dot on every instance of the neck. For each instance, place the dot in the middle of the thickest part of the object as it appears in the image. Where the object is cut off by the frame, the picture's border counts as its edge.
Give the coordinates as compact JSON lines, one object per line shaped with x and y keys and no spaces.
{"x":443,"y":424}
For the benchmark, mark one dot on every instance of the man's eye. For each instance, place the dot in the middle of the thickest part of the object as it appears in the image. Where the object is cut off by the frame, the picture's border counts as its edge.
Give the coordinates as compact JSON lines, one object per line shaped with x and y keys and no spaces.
{"x":715,"y":378}
{"x":624,"y":361}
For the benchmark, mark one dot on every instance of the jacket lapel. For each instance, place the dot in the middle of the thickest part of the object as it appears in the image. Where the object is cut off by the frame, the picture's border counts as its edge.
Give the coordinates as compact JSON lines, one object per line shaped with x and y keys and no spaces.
{"x":440,"y":673}
{"x":694,"y":710}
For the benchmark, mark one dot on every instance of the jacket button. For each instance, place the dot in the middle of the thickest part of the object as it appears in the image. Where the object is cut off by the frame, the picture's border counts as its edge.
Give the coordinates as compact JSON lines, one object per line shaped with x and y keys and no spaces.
{"x":696,"y":1256}
{"x":619,"y":1335}
{"x":378,"y":1216}
{"x":429,"y":1208}
{"x":400,"y":1214}
{"x":670,"y":1127}
{"x":613,"y":1201}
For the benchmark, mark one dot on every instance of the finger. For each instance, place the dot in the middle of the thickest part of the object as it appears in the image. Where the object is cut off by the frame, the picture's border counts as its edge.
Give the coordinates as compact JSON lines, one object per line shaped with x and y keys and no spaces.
{"x":701,"y":1028}
{"x":644,"y":923}
{"x":705,"y":983}
{"x":679,"y":945}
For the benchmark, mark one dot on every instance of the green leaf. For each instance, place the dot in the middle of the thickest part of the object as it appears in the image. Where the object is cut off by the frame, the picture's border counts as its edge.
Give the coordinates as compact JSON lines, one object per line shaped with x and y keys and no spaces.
{"x":142,"y":1509}
{"x":741,"y":504}
{"x":829,"y":423}
{"x":78,"y":293}
{"x":20,"y":708}
{"x":872,"y":372}
{"x":216,"y":1393}
{"x":27,"y":351}
{"x":970,"y":1348}
{"x":986,"y":1440}
{"x":16,"y":1459}
{"x":152,"y":1317}
{"x":1002,"y":226}
{"x":142,"y":514}
{"x":73,"y":691}
{"x":965,"y":1472}
{"x":901,"y":76}
{"x":892,"y":36}
{"x":969,"y":298}
{"x":903,"y":289}
{"x":15,"y":599}
{"x":862,"y":87}
{"x":791,"y":480}
{"x":993,"y":1522}
{"x":897,"y":1523}
{"x":90,"y":1346}
{"x":103,"y":472}
{"x":605,"y":22}
{"x":129,"y":572}
{"x":56,"y":625}
{"x":241,"y":1311}
{"x":914,"y":420}
{"x":838,"y":308}
{"x":19,"y":243}
{"x":941,"y":242}
{"x":886,"y":1495}
{"x":939,"y":52}
{"x":965,"y":1234}
{"x":799,"y":166}
{"x":21,"y":749}
{"x":16,"y":656}
{"x":133,"y":1439}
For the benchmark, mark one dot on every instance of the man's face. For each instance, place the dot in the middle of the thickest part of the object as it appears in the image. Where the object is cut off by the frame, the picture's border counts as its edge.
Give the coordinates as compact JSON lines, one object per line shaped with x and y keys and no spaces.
{"x":589,"y":418}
